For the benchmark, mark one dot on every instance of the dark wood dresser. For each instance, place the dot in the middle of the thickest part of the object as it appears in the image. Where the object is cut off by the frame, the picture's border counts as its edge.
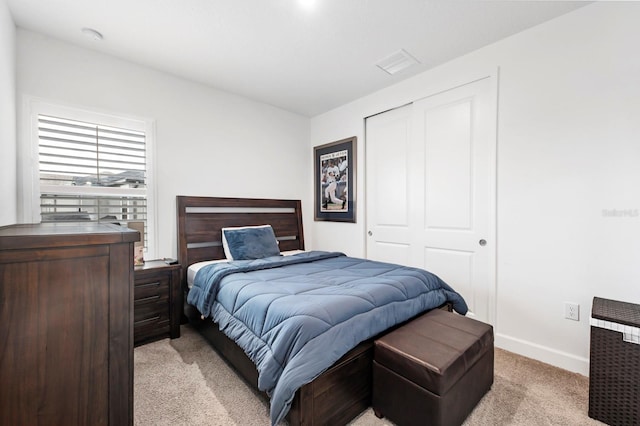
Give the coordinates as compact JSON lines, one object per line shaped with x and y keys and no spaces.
{"x":66,"y":324}
{"x":157,"y":301}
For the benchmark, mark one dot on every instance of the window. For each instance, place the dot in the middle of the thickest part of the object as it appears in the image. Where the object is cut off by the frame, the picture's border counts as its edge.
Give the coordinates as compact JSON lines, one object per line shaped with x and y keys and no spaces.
{"x":92,"y":168}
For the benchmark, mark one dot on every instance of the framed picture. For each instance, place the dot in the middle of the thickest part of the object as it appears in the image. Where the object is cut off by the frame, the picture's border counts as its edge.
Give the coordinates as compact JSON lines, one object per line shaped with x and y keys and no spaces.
{"x":335,"y":195}
{"x":138,"y":247}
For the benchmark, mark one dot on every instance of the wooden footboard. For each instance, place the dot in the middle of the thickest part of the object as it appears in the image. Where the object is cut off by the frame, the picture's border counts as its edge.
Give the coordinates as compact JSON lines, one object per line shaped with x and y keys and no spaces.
{"x":335,"y":397}
{"x":339,"y":394}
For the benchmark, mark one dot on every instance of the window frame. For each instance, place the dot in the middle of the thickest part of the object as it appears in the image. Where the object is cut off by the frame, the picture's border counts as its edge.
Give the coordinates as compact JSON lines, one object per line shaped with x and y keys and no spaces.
{"x":30,"y":186}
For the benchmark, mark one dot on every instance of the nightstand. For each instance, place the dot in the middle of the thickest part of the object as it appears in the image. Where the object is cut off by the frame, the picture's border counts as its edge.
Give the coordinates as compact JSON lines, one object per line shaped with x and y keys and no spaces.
{"x":157,"y":301}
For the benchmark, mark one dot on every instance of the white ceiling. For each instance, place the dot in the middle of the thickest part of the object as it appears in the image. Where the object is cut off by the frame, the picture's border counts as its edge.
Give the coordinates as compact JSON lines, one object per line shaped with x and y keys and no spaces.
{"x":306,"y":60}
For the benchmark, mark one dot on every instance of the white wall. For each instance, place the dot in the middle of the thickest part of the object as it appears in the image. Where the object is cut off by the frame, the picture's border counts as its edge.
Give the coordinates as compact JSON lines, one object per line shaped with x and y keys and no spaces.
{"x":8,"y":193}
{"x":568,"y":150}
{"x":208,"y":142}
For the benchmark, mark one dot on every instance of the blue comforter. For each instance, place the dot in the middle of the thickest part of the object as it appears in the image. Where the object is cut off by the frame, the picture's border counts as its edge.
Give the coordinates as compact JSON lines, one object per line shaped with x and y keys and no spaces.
{"x":295,"y":316}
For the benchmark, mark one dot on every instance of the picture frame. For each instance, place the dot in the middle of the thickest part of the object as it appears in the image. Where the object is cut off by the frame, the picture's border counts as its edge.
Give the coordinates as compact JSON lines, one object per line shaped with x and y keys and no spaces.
{"x":138,"y":246}
{"x":334,"y":180}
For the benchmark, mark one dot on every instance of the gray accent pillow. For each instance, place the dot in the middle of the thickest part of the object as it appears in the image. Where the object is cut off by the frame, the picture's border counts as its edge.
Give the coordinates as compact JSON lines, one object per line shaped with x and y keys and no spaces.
{"x":251,"y":242}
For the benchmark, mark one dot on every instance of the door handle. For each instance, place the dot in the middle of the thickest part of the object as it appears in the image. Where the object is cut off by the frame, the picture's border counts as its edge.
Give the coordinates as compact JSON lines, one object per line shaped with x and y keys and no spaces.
{"x":482,"y":242}
{"x":370,"y":233}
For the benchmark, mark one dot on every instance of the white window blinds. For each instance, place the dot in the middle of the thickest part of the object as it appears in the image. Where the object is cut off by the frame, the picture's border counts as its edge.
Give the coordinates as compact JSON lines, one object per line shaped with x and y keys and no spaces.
{"x":91,"y":172}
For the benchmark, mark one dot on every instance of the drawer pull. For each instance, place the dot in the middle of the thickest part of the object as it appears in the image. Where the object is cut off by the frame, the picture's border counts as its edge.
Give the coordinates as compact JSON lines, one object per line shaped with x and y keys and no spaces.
{"x":148,"y":299}
{"x":156,"y":318}
{"x":151,"y":284}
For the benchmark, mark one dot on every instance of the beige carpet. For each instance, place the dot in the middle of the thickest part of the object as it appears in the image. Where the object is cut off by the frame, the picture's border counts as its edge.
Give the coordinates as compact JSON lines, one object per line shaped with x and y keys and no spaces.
{"x":184,"y":382}
{"x":166,"y":390}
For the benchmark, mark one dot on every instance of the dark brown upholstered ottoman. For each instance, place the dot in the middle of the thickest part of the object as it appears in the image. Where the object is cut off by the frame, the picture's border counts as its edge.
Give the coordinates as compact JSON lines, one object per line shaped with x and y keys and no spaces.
{"x":432,"y":370}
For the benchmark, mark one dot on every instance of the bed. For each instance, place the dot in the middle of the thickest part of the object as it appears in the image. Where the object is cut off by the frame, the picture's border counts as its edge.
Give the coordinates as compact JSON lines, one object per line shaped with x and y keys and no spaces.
{"x":339,"y":393}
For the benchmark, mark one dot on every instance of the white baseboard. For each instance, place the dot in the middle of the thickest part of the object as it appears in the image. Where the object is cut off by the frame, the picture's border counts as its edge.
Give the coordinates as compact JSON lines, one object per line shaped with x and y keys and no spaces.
{"x":544,"y":354}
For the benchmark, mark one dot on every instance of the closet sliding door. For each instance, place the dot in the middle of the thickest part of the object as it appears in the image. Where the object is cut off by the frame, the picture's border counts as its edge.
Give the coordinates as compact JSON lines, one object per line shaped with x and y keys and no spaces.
{"x":388,"y":198}
{"x":430,"y":189}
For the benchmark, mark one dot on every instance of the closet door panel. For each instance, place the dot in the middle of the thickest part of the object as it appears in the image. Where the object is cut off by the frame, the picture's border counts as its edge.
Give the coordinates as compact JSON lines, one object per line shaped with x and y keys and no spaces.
{"x":388,"y":157}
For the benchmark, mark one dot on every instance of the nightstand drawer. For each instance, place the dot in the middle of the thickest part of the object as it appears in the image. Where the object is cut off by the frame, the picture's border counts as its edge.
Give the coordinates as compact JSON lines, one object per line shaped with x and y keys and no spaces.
{"x":151,"y":320}
{"x":149,"y":308}
{"x":151,"y":327}
{"x":148,"y":286}
{"x":150,"y":292}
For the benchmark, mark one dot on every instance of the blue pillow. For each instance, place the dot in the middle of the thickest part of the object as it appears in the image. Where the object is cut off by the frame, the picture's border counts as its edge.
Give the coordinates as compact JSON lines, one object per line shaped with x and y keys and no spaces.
{"x":251,"y":242}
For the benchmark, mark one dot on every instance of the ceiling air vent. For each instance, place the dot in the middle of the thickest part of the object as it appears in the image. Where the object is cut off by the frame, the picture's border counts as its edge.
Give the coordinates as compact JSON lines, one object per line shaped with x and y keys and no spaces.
{"x":397,"y":62}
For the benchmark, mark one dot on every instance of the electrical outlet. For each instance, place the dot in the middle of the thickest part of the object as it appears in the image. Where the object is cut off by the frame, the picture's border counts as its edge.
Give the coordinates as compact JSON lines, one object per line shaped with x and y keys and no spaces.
{"x":572,"y":311}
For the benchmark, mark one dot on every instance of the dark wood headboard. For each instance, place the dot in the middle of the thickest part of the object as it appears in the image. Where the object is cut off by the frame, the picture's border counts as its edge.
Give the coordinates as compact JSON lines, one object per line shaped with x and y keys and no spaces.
{"x":200,"y":220}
